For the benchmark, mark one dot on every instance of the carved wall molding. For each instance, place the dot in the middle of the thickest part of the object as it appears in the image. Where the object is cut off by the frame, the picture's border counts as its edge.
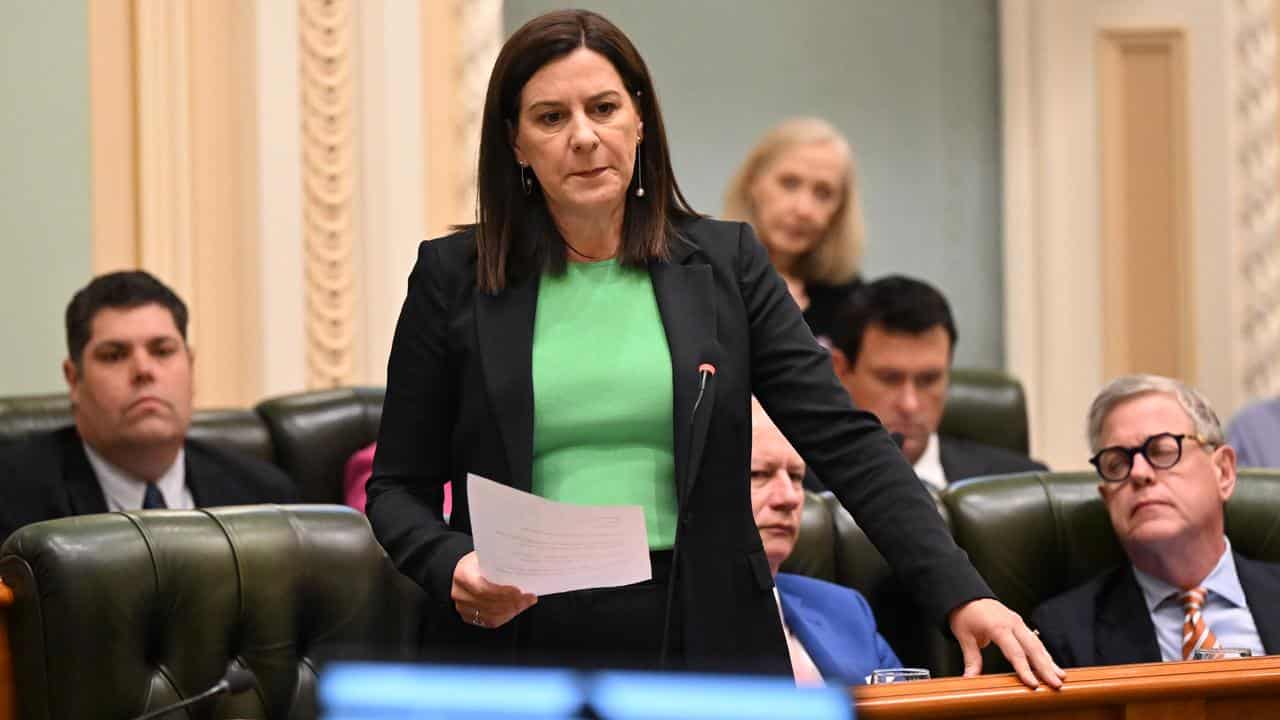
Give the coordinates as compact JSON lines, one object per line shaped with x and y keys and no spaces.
{"x":329,"y":183}
{"x":1257,"y":171}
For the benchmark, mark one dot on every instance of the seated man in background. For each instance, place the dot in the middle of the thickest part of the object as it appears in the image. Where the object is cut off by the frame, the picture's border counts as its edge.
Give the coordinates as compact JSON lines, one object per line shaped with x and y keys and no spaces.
{"x":129,"y":373}
{"x":1165,"y":474}
{"x":894,"y":340}
{"x":830,"y":629}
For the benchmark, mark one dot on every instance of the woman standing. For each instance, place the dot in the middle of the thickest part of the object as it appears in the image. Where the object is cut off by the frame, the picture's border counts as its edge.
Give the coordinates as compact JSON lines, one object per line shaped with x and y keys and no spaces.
{"x":798,"y":188}
{"x":593,"y":340}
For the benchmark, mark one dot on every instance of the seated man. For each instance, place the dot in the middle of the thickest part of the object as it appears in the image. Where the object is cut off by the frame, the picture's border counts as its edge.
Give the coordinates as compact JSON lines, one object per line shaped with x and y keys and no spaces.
{"x":129,"y":373}
{"x":1166,"y":474}
{"x":830,"y":629}
{"x":893,"y":342}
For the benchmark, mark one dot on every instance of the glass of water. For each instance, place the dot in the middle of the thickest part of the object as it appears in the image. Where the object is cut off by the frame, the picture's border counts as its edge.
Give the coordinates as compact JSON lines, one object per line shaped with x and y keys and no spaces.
{"x":892,"y":675}
{"x":1221,"y":653}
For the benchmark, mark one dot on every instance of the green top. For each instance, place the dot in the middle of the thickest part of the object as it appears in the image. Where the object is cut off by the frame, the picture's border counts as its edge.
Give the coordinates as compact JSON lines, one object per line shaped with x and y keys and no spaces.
{"x":602,"y":408}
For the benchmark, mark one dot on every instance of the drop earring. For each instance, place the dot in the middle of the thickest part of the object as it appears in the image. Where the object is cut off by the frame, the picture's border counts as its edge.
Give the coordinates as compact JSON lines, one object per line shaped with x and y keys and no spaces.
{"x":525,"y":180}
{"x":639,"y":170}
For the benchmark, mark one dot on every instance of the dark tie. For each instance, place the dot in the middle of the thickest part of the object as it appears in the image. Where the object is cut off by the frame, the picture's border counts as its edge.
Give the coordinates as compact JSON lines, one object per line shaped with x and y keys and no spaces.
{"x":153,"y":499}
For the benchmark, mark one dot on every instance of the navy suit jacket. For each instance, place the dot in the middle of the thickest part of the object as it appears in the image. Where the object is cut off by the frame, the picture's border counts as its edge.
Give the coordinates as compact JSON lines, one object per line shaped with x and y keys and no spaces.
{"x":1105,"y":621}
{"x":49,"y":476}
{"x":962,"y":459}
{"x":836,"y":627}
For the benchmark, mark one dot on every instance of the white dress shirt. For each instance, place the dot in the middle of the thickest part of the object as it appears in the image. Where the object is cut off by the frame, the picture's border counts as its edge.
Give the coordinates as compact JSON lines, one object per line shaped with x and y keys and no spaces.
{"x":125,"y":492}
{"x":929,"y":467}
{"x":1226,"y":611}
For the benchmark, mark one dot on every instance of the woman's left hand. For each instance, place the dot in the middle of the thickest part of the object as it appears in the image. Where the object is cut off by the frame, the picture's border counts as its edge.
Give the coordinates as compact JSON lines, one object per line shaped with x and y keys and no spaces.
{"x":978,"y":623}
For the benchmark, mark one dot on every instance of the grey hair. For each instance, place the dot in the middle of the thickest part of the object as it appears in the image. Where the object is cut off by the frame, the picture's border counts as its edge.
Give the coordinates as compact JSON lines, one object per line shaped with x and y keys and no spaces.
{"x":1127,"y":387}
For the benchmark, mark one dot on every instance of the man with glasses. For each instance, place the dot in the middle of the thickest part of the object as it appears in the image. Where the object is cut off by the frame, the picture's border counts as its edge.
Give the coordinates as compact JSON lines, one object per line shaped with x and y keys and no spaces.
{"x":1165,"y":472}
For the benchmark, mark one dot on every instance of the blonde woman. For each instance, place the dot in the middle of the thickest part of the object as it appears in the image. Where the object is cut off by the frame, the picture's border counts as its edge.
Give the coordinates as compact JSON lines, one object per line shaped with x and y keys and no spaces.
{"x":798,"y":188}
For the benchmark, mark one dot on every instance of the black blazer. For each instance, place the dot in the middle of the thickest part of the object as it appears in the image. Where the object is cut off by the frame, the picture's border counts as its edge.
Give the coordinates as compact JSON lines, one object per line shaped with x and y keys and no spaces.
{"x":825,"y":301}
{"x":460,"y":399}
{"x":963,"y":459}
{"x":49,"y":476}
{"x":1105,"y":621}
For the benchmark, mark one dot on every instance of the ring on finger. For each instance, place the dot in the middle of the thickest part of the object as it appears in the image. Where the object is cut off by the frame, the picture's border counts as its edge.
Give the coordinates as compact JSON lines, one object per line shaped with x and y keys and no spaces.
{"x":475,"y":619}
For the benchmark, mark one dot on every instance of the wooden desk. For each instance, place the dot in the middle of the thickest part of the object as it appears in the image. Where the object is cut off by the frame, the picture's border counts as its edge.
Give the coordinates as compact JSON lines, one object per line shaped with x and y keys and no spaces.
{"x":1241,"y":688}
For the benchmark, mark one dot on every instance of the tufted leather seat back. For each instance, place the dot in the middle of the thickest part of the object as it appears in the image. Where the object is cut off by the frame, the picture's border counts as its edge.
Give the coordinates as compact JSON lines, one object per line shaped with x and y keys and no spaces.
{"x":316,"y":432}
{"x":24,"y":415}
{"x":122,"y":613}
{"x":986,"y":406}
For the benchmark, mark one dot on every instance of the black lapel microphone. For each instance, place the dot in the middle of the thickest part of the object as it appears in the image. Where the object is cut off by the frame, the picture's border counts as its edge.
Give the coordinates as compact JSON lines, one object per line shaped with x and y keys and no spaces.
{"x":234,"y":682}
{"x":705,"y":372}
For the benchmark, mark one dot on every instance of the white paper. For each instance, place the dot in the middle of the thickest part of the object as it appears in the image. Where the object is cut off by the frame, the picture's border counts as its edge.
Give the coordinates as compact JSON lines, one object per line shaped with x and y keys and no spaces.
{"x":544,"y":547}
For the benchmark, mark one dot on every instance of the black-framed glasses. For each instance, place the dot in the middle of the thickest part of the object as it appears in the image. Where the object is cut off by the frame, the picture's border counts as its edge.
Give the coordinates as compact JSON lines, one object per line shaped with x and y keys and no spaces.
{"x":1162,"y":451}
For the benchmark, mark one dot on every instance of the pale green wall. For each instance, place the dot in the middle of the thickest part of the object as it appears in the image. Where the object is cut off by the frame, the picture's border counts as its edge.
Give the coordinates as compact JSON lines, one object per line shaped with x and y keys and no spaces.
{"x":45,"y":242}
{"x":913,"y":83}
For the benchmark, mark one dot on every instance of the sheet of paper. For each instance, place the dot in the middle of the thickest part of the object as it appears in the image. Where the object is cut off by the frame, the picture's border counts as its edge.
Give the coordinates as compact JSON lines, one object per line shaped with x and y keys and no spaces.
{"x":544,"y":547}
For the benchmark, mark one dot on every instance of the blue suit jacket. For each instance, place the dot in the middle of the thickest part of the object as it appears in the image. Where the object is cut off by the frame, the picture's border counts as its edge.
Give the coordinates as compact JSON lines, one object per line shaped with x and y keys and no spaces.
{"x":836,"y":627}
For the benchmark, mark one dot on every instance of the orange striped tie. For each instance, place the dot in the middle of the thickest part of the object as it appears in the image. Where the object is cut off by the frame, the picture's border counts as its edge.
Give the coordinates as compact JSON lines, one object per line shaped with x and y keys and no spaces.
{"x":1195,"y":631}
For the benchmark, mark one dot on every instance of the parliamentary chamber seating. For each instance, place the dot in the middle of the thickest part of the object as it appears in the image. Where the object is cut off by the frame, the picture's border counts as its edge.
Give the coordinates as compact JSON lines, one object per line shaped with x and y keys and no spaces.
{"x":309,"y":435}
{"x":112,"y":615}
{"x":1035,"y":535}
{"x":136,"y":609}
{"x":985,"y":406}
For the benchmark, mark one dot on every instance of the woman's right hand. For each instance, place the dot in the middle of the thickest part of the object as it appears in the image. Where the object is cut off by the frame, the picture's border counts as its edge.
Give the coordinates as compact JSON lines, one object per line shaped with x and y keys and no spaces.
{"x":480,"y":602}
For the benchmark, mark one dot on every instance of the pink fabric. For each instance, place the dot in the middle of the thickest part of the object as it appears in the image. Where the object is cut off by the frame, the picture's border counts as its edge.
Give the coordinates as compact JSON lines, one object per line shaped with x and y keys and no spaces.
{"x":356,"y":476}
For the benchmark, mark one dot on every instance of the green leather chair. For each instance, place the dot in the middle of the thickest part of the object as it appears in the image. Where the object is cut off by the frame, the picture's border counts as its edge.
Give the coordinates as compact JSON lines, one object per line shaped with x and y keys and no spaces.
{"x":117,"y":614}
{"x":24,"y":415}
{"x":986,"y":406}
{"x":1035,"y":535}
{"x":315,"y":432}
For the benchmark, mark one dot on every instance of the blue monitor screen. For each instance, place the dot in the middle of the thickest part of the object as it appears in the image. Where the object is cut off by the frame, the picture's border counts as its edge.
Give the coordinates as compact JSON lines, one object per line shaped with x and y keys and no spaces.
{"x":373,"y":691}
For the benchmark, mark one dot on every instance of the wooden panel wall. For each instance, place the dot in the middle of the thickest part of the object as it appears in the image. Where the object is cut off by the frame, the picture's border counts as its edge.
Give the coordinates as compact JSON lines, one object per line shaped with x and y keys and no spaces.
{"x":1145,"y":203}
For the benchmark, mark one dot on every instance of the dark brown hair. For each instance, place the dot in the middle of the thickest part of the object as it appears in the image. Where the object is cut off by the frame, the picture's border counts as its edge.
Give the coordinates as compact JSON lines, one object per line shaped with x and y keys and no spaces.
{"x":123,"y":290}
{"x":897,"y":304}
{"x":515,"y":237}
